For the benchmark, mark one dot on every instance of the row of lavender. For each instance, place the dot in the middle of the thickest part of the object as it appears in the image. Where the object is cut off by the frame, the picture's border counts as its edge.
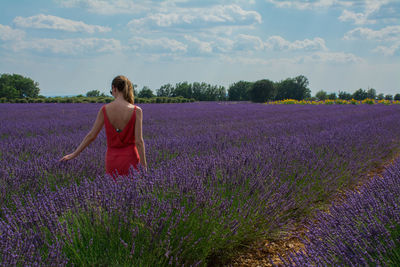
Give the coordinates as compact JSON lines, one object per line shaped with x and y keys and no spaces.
{"x":219,"y":175}
{"x":362,"y":231}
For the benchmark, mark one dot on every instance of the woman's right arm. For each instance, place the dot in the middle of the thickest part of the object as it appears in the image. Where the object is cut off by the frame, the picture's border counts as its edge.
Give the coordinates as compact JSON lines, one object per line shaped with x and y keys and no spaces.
{"x":139,"y":137}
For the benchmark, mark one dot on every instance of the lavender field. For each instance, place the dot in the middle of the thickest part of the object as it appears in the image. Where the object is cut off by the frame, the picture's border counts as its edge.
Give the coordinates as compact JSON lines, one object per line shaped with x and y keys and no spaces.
{"x":221,"y":176}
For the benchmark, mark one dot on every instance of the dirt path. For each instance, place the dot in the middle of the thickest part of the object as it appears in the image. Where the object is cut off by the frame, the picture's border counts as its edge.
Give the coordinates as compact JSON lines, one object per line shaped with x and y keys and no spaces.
{"x":259,"y":254}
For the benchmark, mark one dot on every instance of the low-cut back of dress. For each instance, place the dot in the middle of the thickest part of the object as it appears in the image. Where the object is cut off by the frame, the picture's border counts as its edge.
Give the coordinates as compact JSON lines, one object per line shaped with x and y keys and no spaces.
{"x":121,"y":148}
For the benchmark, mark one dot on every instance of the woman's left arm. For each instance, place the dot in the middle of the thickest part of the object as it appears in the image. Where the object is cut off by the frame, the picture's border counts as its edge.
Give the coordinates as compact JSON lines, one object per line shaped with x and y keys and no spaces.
{"x":89,"y":138}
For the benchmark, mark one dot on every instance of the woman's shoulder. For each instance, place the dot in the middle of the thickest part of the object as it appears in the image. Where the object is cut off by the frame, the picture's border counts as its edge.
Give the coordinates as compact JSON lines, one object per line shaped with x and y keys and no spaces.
{"x":137,"y":107}
{"x":138,"y":111}
{"x":106,"y":105}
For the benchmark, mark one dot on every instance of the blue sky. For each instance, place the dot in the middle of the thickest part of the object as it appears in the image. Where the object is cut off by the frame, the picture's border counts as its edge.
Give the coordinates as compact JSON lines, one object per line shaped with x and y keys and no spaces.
{"x":73,"y":46}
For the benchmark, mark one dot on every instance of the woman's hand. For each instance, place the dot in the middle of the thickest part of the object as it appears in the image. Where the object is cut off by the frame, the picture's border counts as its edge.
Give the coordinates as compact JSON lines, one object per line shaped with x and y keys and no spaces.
{"x":68,"y":157}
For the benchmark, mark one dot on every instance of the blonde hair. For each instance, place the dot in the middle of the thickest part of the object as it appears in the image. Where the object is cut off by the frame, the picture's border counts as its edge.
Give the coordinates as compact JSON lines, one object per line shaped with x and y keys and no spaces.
{"x":125,"y":86}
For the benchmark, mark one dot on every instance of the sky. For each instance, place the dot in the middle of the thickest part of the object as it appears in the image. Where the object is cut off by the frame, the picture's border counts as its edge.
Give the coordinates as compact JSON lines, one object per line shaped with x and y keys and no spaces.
{"x":73,"y":46}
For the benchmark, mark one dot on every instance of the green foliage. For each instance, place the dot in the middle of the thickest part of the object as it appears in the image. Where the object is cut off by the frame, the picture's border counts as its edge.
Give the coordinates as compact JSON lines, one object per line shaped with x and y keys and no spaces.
{"x":369,"y":101}
{"x":344,"y":95}
{"x":197,"y":91}
{"x":360,"y":94}
{"x":321,"y":95}
{"x":388,"y":97}
{"x":146,"y":92}
{"x":93,"y":93}
{"x":293,"y":88}
{"x":183,"y":89}
{"x":9,"y":92}
{"x":397,"y":97}
{"x":332,"y":96}
{"x":165,"y":91}
{"x":239,"y":91}
{"x":380,"y":97}
{"x":371,"y":93}
{"x":354,"y":102}
{"x":21,"y":100}
{"x":262,"y":91}
{"x":17,"y":86}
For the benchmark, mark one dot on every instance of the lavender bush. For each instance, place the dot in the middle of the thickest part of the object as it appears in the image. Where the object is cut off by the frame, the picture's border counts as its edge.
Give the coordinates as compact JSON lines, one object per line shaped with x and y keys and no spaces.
{"x":362,"y":231}
{"x":220,"y":175}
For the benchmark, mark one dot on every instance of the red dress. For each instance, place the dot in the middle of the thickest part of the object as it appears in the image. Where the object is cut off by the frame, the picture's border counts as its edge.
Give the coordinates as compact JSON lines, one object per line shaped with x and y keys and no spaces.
{"x":121,"y":148}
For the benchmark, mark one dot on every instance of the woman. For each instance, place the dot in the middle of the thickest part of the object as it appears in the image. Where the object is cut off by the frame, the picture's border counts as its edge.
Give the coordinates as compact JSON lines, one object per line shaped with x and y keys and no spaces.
{"x":123,"y":124}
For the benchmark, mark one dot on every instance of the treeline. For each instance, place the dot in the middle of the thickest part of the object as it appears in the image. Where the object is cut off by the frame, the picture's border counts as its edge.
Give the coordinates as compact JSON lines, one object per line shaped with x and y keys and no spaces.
{"x":95,"y":99}
{"x":297,"y":89}
{"x":267,"y":90}
{"x":259,"y":91}
{"x":13,"y":86}
{"x":360,"y":94}
{"x":19,"y":89}
{"x":198,"y":91}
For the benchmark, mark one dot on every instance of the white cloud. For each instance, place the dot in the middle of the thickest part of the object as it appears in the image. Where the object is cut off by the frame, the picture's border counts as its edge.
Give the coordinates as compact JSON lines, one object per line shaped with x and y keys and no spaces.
{"x":331,"y":57}
{"x":389,"y":33}
{"x":160,"y":45}
{"x":106,"y":7}
{"x":241,"y":43}
{"x":360,"y":12}
{"x":223,"y":45}
{"x":69,"y":46}
{"x":42,"y":21}
{"x":9,"y":34}
{"x":372,"y":11}
{"x":246,"y":42}
{"x":316,"y":57}
{"x":201,"y":47}
{"x":244,"y":60}
{"x":388,"y":50}
{"x":278,"y":43}
{"x":358,"y":18}
{"x":251,"y":43}
{"x":190,"y":18}
{"x":306,"y":4}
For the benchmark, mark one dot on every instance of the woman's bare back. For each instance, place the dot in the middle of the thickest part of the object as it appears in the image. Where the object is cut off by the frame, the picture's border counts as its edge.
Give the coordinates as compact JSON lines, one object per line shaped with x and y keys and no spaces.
{"x":119,"y":113}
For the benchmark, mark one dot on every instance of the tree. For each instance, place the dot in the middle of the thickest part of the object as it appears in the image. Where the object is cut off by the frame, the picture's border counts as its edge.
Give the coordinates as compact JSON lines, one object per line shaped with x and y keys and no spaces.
{"x":371,"y":93}
{"x":183,"y":89}
{"x":165,"y":91}
{"x":388,"y":97}
{"x":380,"y":96}
{"x":239,"y":91}
{"x":303,"y":83}
{"x":146,"y":92}
{"x":262,"y":91}
{"x":321,"y":95}
{"x":293,"y":88}
{"x":135,"y":92}
{"x":18,"y":86}
{"x":220,"y":93}
{"x":93,"y":93}
{"x":8,"y":92}
{"x":344,"y":95}
{"x":214,"y":93}
{"x":332,"y":96}
{"x":360,"y":94}
{"x":397,"y":97}
{"x":199,"y":90}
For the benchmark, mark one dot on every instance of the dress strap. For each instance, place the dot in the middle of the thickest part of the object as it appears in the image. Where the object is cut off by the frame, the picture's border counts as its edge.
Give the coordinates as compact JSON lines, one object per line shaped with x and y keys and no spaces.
{"x":103,"y":108}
